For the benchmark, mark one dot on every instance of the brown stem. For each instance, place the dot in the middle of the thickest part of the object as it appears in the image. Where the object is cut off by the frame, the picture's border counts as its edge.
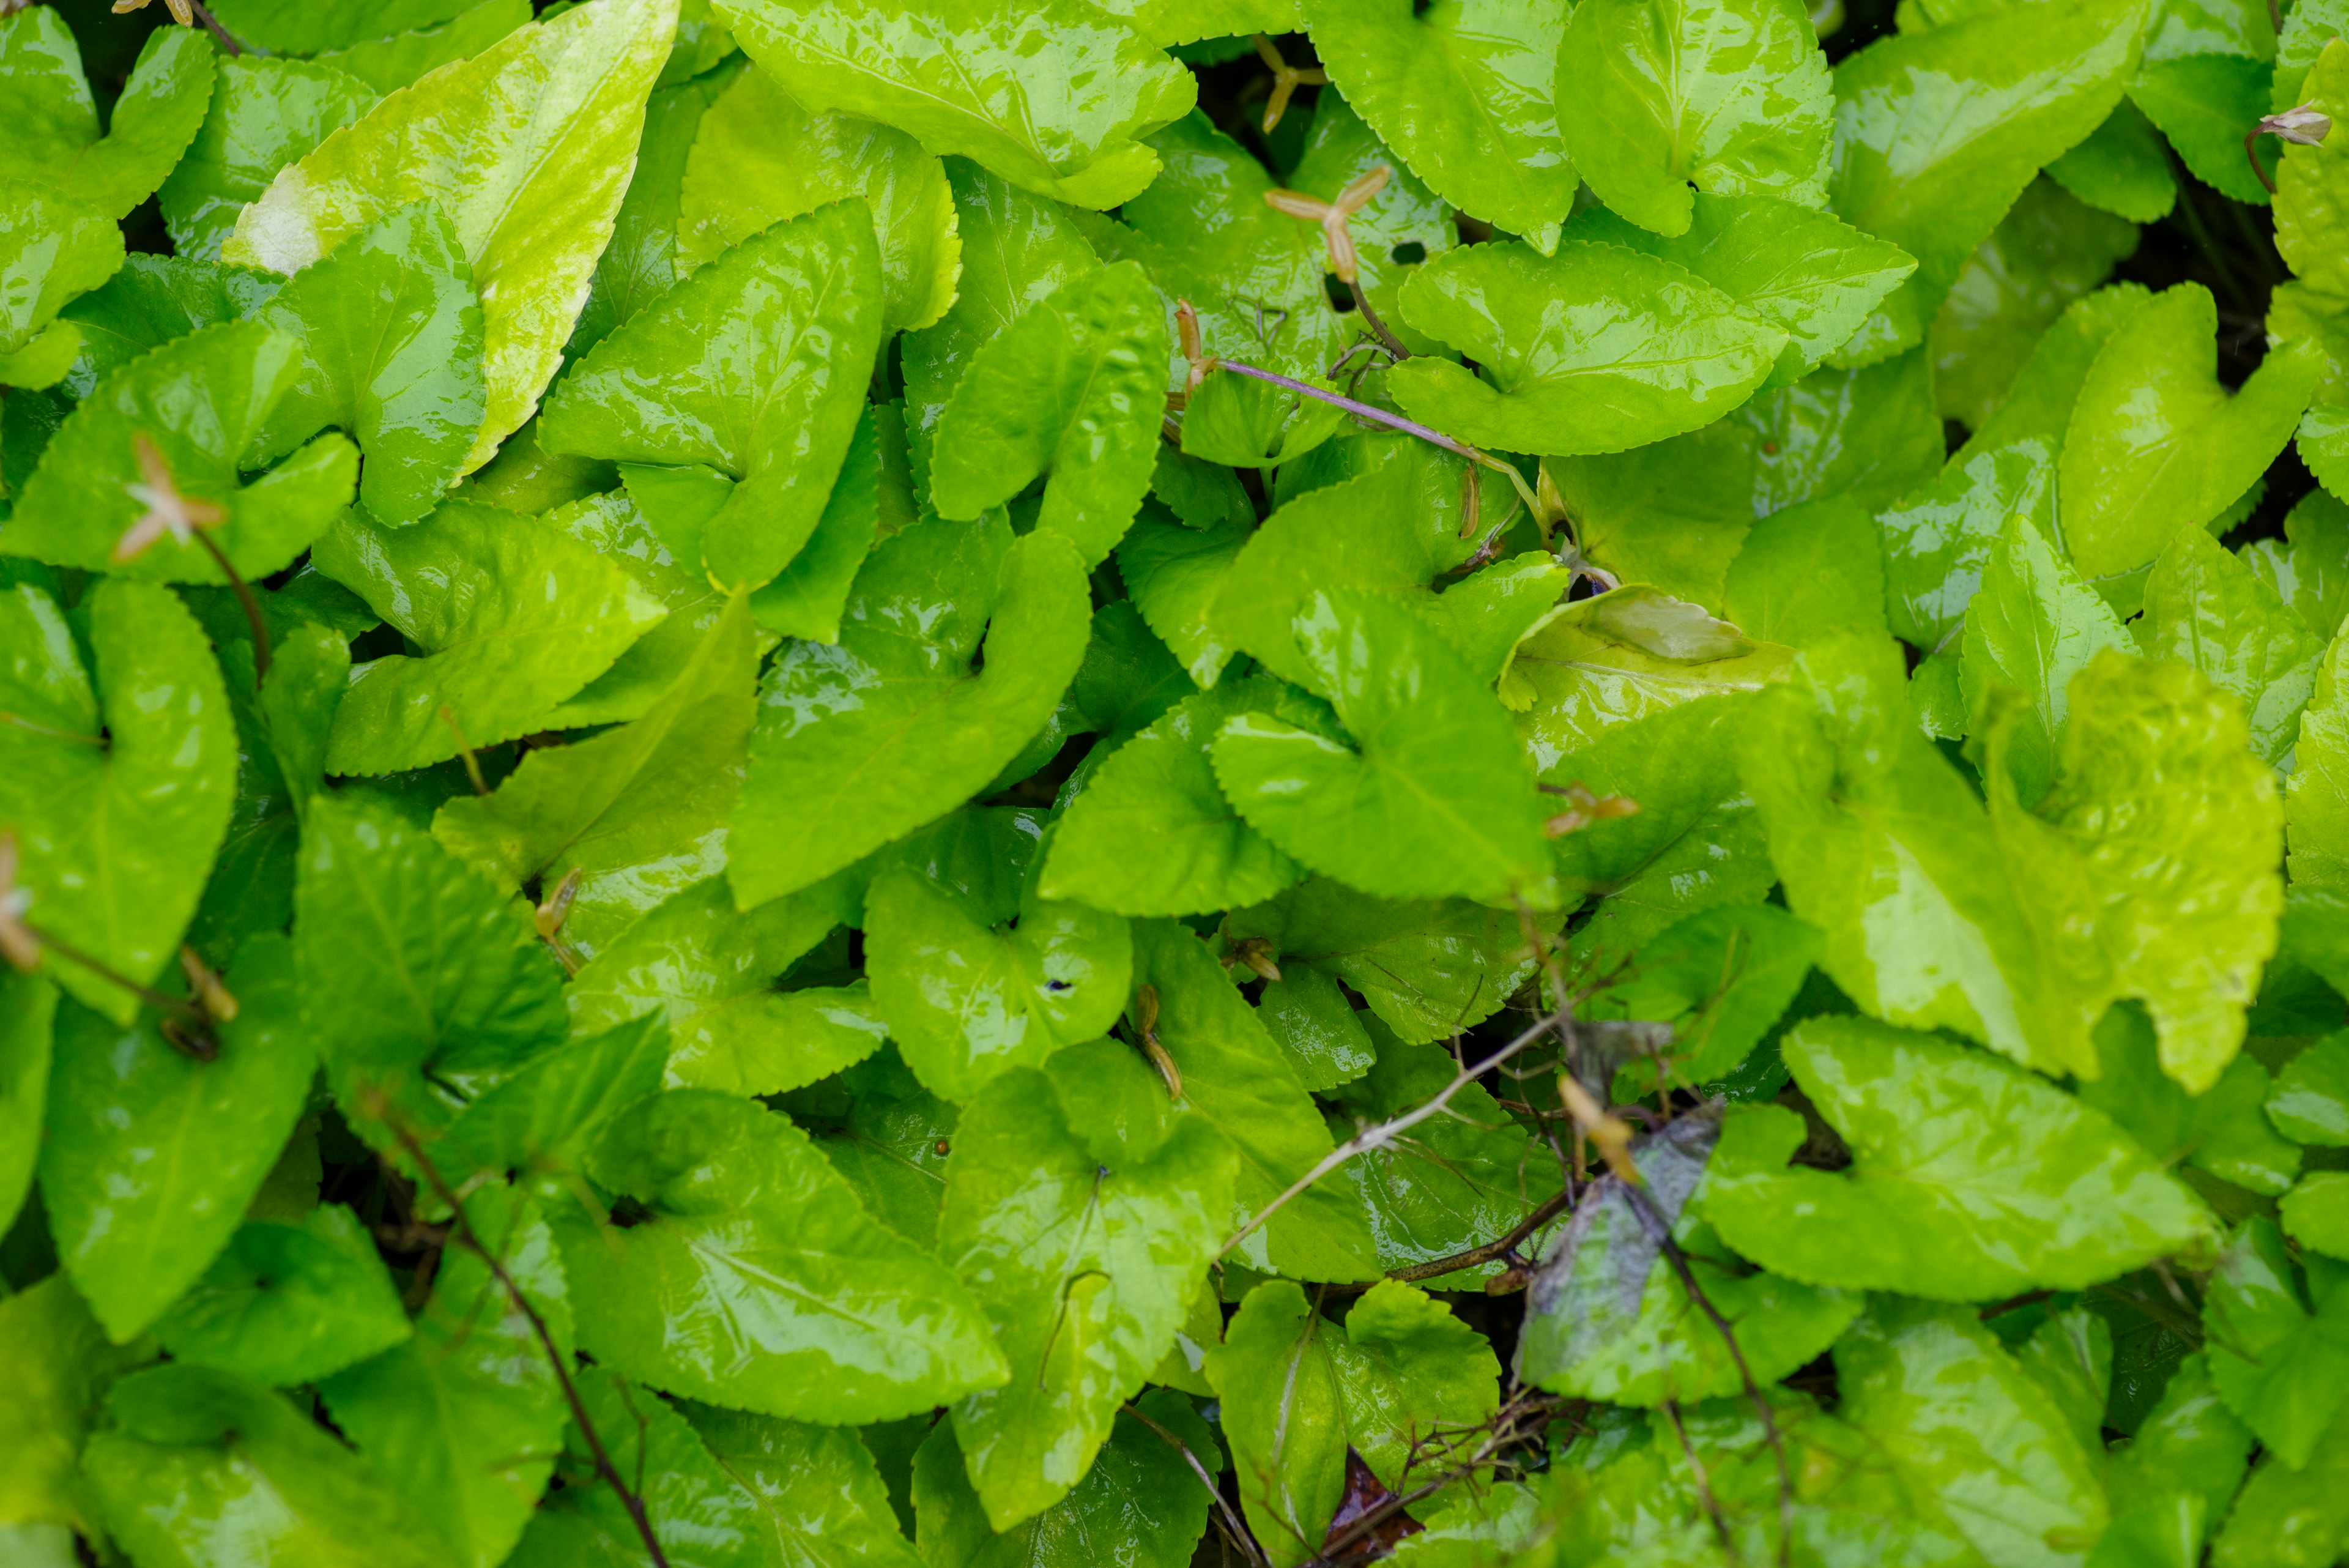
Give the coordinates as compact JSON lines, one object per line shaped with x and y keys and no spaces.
{"x":1359,"y":409}
{"x":2252,"y":151}
{"x":175,"y":1006}
{"x":212,"y":24}
{"x":462,"y":1228}
{"x":253,"y":615}
{"x":1394,"y":344}
{"x":18,"y":722}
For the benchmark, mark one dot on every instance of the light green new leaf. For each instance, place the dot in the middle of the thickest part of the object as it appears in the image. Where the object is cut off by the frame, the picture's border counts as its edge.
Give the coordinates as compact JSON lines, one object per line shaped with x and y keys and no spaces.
{"x":1437,"y":802}
{"x":152,"y":1155}
{"x":967,"y":1000}
{"x":1938,"y":133}
{"x":758,"y":158}
{"x":1052,"y":98}
{"x":709,"y":973}
{"x":2207,"y":607}
{"x":760,"y":362}
{"x":1808,"y":572}
{"x":469,"y":1412}
{"x":2156,"y":444}
{"x":2308,"y":569}
{"x":117,"y":835}
{"x":1618,"y":658}
{"x":197,"y":1468}
{"x":1428,"y":968}
{"x":28,"y":1007}
{"x":265,"y":113}
{"x":2279,"y":1353}
{"x":1462,"y":90}
{"x":1805,"y":272}
{"x":2283,"y":1514}
{"x":46,"y":100}
{"x":1309,"y":1015}
{"x":51,"y":249}
{"x":1593,"y":349}
{"x":512,"y":615}
{"x":1237,"y":1079}
{"x":2315,"y":1213}
{"x":527,"y":147}
{"x":1978,"y":1444}
{"x":1084,"y":1271}
{"x":1970,"y":1178}
{"x":1729,"y":95}
{"x":1160,"y":788}
{"x":2032,"y":627}
{"x":289,"y":1304}
{"x":46,"y":1409}
{"x":2170,"y":891}
{"x":2222,"y":1130}
{"x":441,"y":991}
{"x":297,"y":28}
{"x":2317,"y":809}
{"x":860,"y":742}
{"x":810,"y":596}
{"x":204,"y":402}
{"x":755,"y":1277}
{"x":638,"y":813}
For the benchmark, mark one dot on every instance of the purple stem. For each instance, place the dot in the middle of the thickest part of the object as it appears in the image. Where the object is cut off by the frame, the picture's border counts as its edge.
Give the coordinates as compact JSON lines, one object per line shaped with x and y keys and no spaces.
{"x":1360,"y":411}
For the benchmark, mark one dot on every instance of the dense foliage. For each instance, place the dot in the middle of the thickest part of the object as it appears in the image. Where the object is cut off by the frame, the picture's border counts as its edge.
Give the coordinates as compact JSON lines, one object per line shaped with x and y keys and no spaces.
{"x":935,"y":781}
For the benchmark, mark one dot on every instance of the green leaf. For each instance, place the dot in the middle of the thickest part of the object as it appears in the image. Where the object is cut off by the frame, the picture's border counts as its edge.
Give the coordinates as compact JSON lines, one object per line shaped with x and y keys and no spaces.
{"x":442,"y":990}
{"x":1938,"y":133}
{"x":117,"y":837}
{"x":758,"y":157}
{"x":2207,"y":607}
{"x":152,"y":1155}
{"x":1283,"y":1417}
{"x":2315,"y":1213}
{"x":527,"y":147}
{"x":494,"y":656}
{"x":28,"y":1009}
{"x":1722,"y":978}
{"x":391,"y":352}
{"x":702,"y":1514}
{"x":2310,"y":1103}
{"x":2034,"y":627}
{"x":831,"y":779}
{"x":1140,"y":1505}
{"x":2205,"y":103}
{"x":1411,"y":1376}
{"x":468,"y":1413}
{"x":204,"y":402}
{"x":2170,"y":892}
{"x":391,"y":62}
{"x":1308,"y":1012}
{"x":289,"y":1304}
{"x":1052,"y":98}
{"x":44,"y":92}
{"x":760,"y":361}
{"x":51,"y":249}
{"x":639,"y":265}
{"x":1732,"y":97}
{"x":1084,"y":1271}
{"x":1623,"y":349}
{"x":2157,"y":445}
{"x":2183,"y":1465}
{"x":638,"y":813}
{"x":2279,"y":1351}
{"x":1807,"y":572}
{"x":47,"y":1408}
{"x":816,"y":1496}
{"x":1176,"y":575}
{"x":2283,"y":1514}
{"x":1235,"y":1078}
{"x":295,"y":27}
{"x":893,"y":1151}
{"x":1339,"y":148}
{"x":1074,"y":389}
{"x":1436,"y":802}
{"x":2123,"y":169}
{"x":193,"y":1459}
{"x":2304,"y":568}
{"x":810,"y":596}
{"x":1618,"y":658}
{"x":754,"y":1276}
{"x":1978,"y":1445}
{"x":2220,"y":1130}
{"x":1970,"y":1178}
{"x":2317,"y":808}
{"x":1462,"y":92}
{"x":967,"y":1000}
{"x":1885,"y":847}
{"x":152,"y":300}
{"x":1428,"y":968}
{"x":264,"y":114}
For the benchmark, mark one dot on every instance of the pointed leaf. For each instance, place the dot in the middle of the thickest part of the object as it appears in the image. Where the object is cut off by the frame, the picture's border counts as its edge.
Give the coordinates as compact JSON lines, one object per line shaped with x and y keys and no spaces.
{"x":265,"y":113}
{"x":289,"y":1304}
{"x":41,"y":88}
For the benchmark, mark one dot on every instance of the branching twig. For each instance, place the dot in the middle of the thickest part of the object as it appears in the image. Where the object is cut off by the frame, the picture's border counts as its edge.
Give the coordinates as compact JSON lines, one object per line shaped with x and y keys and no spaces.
{"x":462,"y":1228}
{"x":1476,"y":1256}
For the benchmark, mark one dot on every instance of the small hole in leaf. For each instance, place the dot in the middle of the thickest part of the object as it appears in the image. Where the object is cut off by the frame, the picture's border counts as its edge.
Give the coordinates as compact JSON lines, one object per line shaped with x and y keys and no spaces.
{"x":1410,"y":253}
{"x":1056,"y":985}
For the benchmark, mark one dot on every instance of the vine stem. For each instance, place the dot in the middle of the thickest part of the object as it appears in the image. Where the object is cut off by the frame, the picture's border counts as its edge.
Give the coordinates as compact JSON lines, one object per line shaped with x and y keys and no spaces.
{"x":462,"y":1228}
{"x":253,"y":615}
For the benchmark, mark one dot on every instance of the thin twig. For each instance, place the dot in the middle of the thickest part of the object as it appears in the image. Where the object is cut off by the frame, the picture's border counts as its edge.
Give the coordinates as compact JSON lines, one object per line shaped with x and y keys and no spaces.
{"x":228,"y":40}
{"x":1229,"y":1521}
{"x":174,"y":1006}
{"x":462,"y":1228}
{"x":1475,"y":1257}
{"x":1359,"y":409}
{"x":253,"y":615}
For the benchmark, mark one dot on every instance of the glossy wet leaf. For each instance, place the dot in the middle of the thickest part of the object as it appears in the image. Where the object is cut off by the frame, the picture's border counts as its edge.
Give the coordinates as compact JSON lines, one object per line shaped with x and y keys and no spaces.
{"x":2198,"y":100}
{"x":289,"y":1304}
{"x":152,"y":1155}
{"x":859,"y":742}
{"x":1083,"y":1271}
{"x":204,"y":402}
{"x":1732,"y":97}
{"x":638,"y":811}
{"x":1722,"y":977}
{"x":47,"y":1411}
{"x":2299,"y":568}
{"x":1053,"y":99}
{"x":152,"y":300}
{"x":2223,"y":1130}
{"x":1972,"y":1178}
{"x":289,"y":26}
{"x":756,"y":1278}
{"x":148,"y":127}
{"x":2317,"y":807}
{"x":2207,"y":607}
{"x":28,"y":1010}
{"x":388,"y":62}
{"x":264,"y":114}
{"x":191,"y":1457}
{"x":2279,"y":1340}
{"x":815,"y":1496}
{"x":116,"y":838}
{"x":758,"y":158}
{"x":2310,"y":1103}
{"x":640,"y":263}
{"x":1629,"y":349}
{"x":509,"y":615}
{"x":1283,"y":1417}
{"x":1395,"y":818}
{"x":51,"y":250}
{"x":1464,"y":94}
{"x":527,"y":147}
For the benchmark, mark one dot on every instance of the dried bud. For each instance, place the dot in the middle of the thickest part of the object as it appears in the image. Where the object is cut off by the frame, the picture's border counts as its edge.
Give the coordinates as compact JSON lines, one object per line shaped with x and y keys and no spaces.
{"x":18,"y":944}
{"x":206,"y":989}
{"x":1586,"y":809}
{"x":2303,"y":125}
{"x":167,"y":512}
{"x":1286,"y":79}
{"x":1257,"y":953}
{"x":183,"y":12}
